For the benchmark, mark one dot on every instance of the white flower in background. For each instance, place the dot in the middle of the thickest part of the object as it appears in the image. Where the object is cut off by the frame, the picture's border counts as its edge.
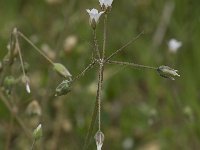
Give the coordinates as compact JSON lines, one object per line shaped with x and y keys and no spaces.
{"x":174,"y":45}
{"x":105,"y":4}
{"x":94,"y":16}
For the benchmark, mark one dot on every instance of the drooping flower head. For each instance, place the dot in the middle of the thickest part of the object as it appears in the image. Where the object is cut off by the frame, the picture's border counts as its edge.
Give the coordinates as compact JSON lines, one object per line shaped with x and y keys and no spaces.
{"x":174,"y":45}
{"x":99,"y":138}
{"x":106,"y":5}
{"x":167,"y":72}
{"x":94,"y":17}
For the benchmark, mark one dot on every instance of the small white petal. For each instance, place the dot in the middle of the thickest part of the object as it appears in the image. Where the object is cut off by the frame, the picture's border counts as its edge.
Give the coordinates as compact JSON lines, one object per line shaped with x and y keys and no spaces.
{"x":28,"y":87}
{"x":99,"y":146}
{"x":106,"y":3}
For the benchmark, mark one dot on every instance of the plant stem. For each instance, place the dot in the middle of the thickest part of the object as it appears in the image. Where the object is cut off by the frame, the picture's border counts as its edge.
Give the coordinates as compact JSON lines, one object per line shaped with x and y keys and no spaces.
{"x":33,"y":144}
{"x":20,"y":55}
{"x":104,"y":36}
{"x":131,"y":64}
{"x":97,"y":108}
{"x":84,"y":71}
{"x":35,"y":47}
{"x":96,"y":47}
{"x":127,"y":44}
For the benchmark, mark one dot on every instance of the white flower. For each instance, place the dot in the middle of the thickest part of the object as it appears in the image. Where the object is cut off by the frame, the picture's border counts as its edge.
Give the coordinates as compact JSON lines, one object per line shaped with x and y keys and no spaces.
{"x":94,"y":16}
{"x":174,"y":45}
{"x":105,"y":3}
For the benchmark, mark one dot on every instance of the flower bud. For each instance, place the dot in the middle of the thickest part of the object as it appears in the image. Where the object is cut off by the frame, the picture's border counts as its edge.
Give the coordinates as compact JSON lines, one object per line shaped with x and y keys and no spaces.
{"x":37,"y":133}
{"x":9,"y":81}
{"x":167,"y":72}
{"x":106,"y":5}
{"x":63,"y":88}
{"x":60,"y":69}
{"x":26,"y":81}
{"x":34,"y":109}
{"x":99,"y":138}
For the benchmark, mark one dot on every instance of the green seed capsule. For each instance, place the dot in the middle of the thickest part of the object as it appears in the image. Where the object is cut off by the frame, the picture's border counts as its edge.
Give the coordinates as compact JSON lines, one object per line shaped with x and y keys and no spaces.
{"x":63,"y":88}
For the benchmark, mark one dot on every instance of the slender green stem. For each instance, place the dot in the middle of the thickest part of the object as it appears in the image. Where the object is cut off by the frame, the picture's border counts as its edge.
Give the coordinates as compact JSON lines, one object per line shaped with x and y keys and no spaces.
{"x":97,"y":108}
{"x":120,"y":49}
{"x":104,"y":36}
{"x":20,"y":55}
{"x":33,"y":144}
{"x":99,"y":91}
{"x":96,"y":47}
{"x":84,"y":71}
{"x":92,"y":124}
{"x":35,"y":47}
{"x":131,"y":64}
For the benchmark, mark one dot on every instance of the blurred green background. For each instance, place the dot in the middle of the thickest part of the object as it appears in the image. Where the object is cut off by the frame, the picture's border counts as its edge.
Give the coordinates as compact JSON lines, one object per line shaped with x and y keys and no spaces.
{"x":141,"y":110}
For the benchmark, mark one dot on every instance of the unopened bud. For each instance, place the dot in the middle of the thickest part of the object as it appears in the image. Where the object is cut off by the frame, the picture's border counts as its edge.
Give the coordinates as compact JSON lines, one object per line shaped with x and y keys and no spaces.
{"x":9,"y":81}
{"x":60,"y":69}
{"x":99,"y":138}
{"x":34,"y":109}
{"x":37,"y":133}
{"x":167,"y":72}
{"x":63,"y":88}
{"x":26,"y":81}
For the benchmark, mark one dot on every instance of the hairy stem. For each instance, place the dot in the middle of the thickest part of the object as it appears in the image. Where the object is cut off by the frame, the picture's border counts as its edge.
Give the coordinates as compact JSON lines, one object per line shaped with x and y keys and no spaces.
{"x":84,"y":71}
{"x":104,"y":36}
{"x":96,"y":47}
{"x":127,"y":44}
{"x":131,"y":64}
{"x":97,"y":108}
